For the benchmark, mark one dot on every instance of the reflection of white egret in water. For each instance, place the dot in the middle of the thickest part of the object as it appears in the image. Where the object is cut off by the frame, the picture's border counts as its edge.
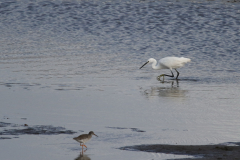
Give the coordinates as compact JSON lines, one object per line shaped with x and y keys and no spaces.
{"x":82,"y":157}
{"x":169,"y":91}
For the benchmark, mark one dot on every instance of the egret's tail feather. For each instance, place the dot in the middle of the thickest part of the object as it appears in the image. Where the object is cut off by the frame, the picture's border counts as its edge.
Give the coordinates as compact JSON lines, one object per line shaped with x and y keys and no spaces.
{"x":185,"y":60}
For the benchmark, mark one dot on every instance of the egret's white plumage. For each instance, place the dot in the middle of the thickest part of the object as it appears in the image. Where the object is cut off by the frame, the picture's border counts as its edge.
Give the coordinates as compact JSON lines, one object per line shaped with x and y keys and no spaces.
{"x":168,"y":63}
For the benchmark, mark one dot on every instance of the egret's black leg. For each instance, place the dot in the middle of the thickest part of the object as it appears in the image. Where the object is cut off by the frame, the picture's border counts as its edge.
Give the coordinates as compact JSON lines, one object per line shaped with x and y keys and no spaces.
{"x":169,"y":75}
{"x":162,"y":75}
{"x":177,"y":73}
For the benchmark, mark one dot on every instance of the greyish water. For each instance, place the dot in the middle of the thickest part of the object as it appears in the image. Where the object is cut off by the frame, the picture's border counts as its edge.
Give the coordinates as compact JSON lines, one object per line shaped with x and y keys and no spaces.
{"x":75,"y":64}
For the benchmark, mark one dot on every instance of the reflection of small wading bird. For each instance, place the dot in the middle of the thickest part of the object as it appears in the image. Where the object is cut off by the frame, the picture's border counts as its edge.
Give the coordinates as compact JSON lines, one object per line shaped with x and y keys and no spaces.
{"x":168,"y":63}
{"x":82,"y":157}
{"x":84,"y":138}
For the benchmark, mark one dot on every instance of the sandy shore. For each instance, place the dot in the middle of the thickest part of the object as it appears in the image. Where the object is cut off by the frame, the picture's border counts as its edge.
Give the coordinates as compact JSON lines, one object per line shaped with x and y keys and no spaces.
{"x":208,"y":152}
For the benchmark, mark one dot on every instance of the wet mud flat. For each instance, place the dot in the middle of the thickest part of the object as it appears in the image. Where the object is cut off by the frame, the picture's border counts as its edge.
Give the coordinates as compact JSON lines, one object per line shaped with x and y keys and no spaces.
{"x":11,"y":129}
{"x":203,"y":152}
{"x":133,"y":129}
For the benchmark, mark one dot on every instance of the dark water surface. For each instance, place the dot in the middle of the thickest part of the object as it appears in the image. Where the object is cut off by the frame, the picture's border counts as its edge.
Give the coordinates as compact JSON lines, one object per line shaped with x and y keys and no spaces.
{"x":75,"y":64}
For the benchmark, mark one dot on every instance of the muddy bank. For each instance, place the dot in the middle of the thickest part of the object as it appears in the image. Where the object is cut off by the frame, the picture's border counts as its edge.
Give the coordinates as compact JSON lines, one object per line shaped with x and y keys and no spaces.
{"x":133,"y":129}
{"x":209,"y":152}
{"x":21,"y":129}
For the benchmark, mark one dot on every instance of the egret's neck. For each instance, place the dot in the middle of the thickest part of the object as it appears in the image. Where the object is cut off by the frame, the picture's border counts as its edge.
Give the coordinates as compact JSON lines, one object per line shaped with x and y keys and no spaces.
{"x":155,"y":65}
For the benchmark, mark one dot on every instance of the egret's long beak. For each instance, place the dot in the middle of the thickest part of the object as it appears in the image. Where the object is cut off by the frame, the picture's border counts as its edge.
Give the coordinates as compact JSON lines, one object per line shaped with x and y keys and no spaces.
{"x":95,"y":135}
{"x":144,"y":64}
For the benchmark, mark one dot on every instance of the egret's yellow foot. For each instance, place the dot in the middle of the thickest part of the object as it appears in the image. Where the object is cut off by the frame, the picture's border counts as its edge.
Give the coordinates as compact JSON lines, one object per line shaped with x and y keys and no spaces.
{"x":162,"y":75}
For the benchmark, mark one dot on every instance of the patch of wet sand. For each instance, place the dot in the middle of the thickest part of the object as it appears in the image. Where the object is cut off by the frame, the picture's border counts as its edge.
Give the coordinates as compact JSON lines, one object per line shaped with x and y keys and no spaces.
{"x":203,"y":152}
{"x":23,"y":129}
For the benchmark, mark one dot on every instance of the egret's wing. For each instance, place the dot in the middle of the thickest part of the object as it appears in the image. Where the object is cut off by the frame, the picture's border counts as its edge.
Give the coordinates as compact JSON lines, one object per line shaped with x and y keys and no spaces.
{"x":173,"y":62}
{"x":168,"y":62}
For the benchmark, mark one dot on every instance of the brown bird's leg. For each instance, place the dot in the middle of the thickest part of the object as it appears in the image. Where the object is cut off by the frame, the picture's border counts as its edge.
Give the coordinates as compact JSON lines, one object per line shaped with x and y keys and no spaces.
{"x":84,"y":145}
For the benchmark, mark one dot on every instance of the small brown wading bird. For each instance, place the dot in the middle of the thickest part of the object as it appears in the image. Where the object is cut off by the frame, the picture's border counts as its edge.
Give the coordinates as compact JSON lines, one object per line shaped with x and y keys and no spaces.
{"x":84,"y":138}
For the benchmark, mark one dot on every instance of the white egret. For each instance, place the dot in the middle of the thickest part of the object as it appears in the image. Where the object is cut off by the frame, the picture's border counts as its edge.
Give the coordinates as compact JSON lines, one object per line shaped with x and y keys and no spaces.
{"x":168,"y":63}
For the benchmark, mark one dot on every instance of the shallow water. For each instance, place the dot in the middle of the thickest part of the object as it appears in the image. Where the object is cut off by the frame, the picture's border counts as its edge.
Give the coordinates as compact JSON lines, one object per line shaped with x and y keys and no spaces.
{"x":75,"y":64}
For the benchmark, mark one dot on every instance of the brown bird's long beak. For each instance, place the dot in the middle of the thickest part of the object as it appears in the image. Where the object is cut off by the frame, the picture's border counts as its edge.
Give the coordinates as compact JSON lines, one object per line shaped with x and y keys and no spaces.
{"x":95,"y":135}
{"x":144,"y":64}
